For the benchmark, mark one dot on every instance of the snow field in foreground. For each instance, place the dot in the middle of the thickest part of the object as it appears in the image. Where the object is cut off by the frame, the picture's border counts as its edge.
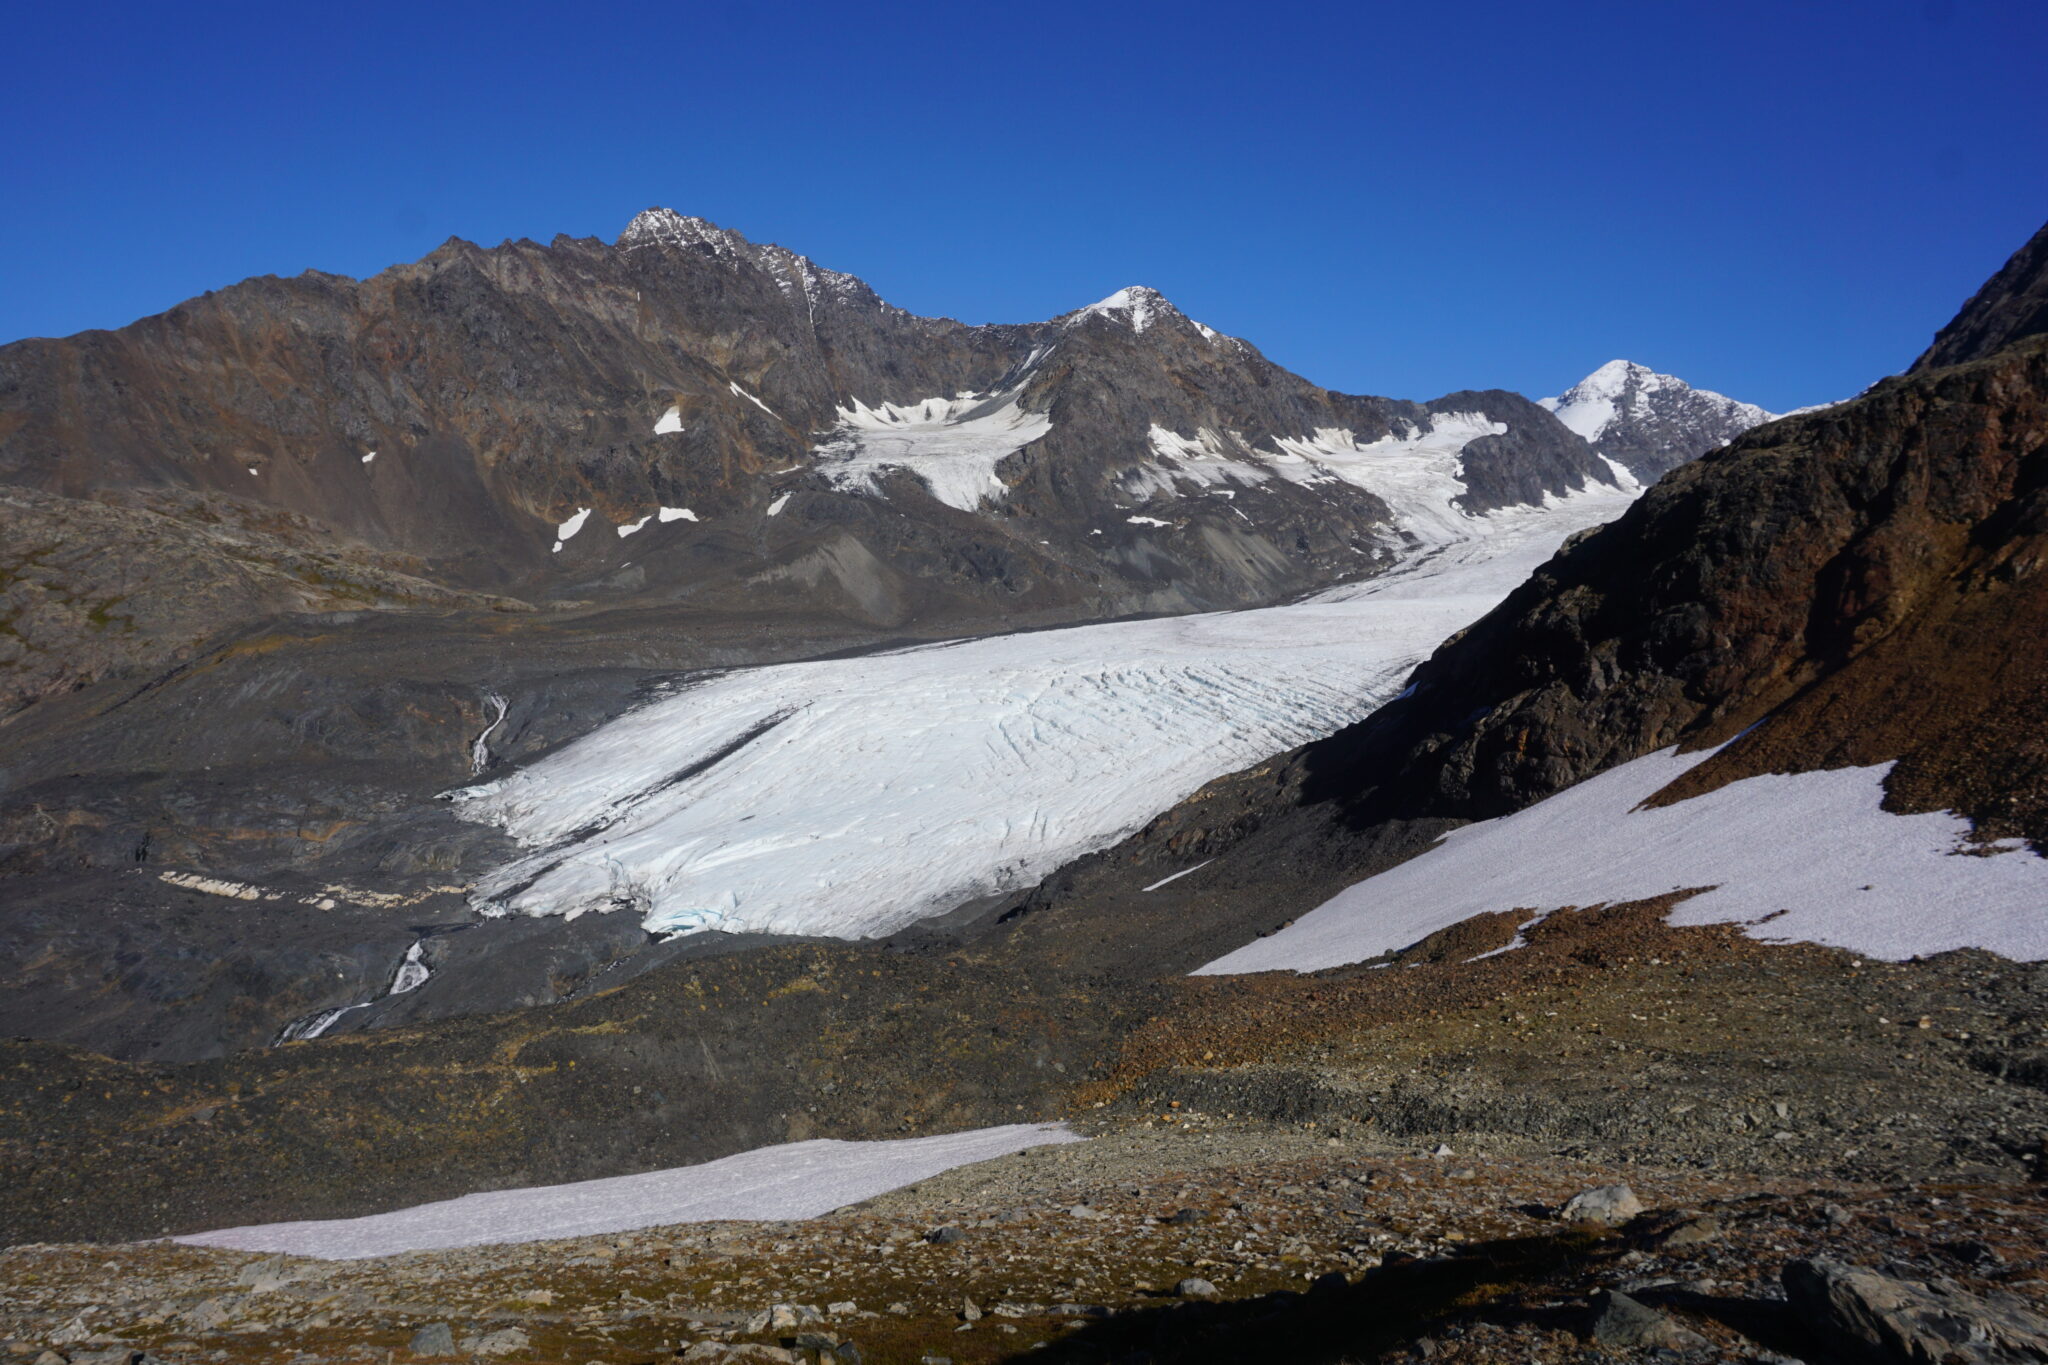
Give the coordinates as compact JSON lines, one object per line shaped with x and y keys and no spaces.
{"x":795,"y":1180}
{"x":851,"y":797}
{"x":1798,"y":858}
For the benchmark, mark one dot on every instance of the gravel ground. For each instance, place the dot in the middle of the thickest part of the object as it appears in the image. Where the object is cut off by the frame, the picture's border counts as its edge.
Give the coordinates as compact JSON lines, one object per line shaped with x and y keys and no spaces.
{"x":1075,"y":1253}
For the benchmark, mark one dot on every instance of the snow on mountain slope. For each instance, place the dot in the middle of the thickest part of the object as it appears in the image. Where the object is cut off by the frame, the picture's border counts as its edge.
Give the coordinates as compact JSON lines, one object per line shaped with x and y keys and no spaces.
{"x":953,"y":444}
{"x":1415,"y":470}
{"x":1416,"y":473}
{"x":1806,"y":857}
{"x":851,"y":797}
{"x":794,"y":1180}
{"x":1647,"y":421}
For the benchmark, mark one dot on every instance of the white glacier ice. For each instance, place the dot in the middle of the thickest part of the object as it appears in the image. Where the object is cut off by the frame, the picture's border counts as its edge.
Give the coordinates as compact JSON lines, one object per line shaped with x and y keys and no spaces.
{"x":953,"y":444}
{"x":850,"y":797}
{"x":791,"y":1181}
{"x":1807,"y":857}
{"x":1416,"y":470}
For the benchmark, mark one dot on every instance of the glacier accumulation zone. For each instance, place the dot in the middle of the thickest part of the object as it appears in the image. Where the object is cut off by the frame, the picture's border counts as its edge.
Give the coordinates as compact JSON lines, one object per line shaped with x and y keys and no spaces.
{"x":953,"y":444}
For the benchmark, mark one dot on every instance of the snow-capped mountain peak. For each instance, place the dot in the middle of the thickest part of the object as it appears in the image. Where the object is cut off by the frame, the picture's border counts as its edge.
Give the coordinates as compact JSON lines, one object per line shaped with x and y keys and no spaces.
{"x":1138,"y":307}
{"x":654,"y":226}
{"x":1647,"y":421}
{"x":796,"y":275}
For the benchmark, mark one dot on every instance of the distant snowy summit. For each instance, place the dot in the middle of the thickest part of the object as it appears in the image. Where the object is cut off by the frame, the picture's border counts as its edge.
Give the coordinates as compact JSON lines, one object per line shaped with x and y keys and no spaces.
{"x":1651,"y":422}
{"x":1140,"y":306}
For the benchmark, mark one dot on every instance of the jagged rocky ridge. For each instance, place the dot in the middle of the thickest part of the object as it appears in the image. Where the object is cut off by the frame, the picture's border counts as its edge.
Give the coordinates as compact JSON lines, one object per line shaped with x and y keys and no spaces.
{"x":685,"y":415}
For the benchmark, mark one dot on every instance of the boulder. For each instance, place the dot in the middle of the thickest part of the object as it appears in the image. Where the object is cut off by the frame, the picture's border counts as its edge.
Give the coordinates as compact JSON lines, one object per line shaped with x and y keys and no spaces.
{"x":1606,"y":1205}
{"x":435,"y":1339}
{"x":1868,"y":1313}
{"x":503,"y":1342}
{"x":1619,"y":1320}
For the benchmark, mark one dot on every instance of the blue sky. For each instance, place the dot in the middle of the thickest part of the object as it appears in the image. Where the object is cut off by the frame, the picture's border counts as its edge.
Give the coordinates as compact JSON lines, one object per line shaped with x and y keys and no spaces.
{"x":1781,"y":201}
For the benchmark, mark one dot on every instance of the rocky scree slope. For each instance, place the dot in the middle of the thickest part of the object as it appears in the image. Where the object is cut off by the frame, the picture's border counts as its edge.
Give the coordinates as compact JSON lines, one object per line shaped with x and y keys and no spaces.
{"x":684,"y":414}
{"x":1885,"y":553}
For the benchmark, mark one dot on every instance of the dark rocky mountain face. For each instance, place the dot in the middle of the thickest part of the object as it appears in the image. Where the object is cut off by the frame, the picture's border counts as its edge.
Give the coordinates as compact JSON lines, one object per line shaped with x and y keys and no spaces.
{"x":1843,"y":544}
{"x":2012,"y":304}
{"x":1647,"y":422}
{"x":686,"y":415}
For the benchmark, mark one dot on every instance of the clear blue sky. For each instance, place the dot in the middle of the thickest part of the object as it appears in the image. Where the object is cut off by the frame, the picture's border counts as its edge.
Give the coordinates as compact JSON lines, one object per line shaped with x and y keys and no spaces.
{"x":1779,"y":200}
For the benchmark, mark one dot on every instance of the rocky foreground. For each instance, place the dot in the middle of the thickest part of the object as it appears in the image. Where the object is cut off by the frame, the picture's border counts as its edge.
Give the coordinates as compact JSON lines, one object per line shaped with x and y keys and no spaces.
{"x":1244,"y":1242}
{"x":1408,"y":1160}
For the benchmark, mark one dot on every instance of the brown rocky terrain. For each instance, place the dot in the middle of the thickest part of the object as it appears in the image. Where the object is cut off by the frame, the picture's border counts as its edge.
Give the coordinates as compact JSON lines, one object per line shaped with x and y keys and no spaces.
{"x":1360,"y":1165}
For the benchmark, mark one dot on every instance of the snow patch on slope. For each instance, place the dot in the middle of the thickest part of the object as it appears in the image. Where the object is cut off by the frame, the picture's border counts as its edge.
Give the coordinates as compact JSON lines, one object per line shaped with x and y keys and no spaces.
{"x":1139,"y":308}
{"x":671,"y":421}
{"x":1416,"y":471}
{"x":568,"y":529}
{"x":851,"y":797}
{"x":1806,"y":857}
{"x":1207,"y":460}
{"x":742,"y":393}
{"x":952,"y":444}
{"x":1136,"y":306}
{"x":792,"y":1181}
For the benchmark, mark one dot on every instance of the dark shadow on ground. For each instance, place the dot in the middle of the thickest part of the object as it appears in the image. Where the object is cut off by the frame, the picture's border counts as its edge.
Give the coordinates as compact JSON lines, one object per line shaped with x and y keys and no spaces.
{"x":1396,"y":1305}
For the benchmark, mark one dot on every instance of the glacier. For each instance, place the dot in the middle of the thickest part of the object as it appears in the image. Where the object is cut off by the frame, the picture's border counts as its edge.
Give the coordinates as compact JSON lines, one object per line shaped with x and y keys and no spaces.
{"x":851,"y":797}
{"x":952,"y":444}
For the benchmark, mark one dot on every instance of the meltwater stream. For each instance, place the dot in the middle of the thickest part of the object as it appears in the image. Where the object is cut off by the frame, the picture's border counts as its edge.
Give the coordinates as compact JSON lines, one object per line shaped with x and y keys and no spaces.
{"x":412,"y":973}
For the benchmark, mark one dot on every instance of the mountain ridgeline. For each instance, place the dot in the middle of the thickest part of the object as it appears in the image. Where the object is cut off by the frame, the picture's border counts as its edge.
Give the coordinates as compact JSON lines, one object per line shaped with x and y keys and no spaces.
{"x":286,"y":566}
{"x":684,"y":416}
